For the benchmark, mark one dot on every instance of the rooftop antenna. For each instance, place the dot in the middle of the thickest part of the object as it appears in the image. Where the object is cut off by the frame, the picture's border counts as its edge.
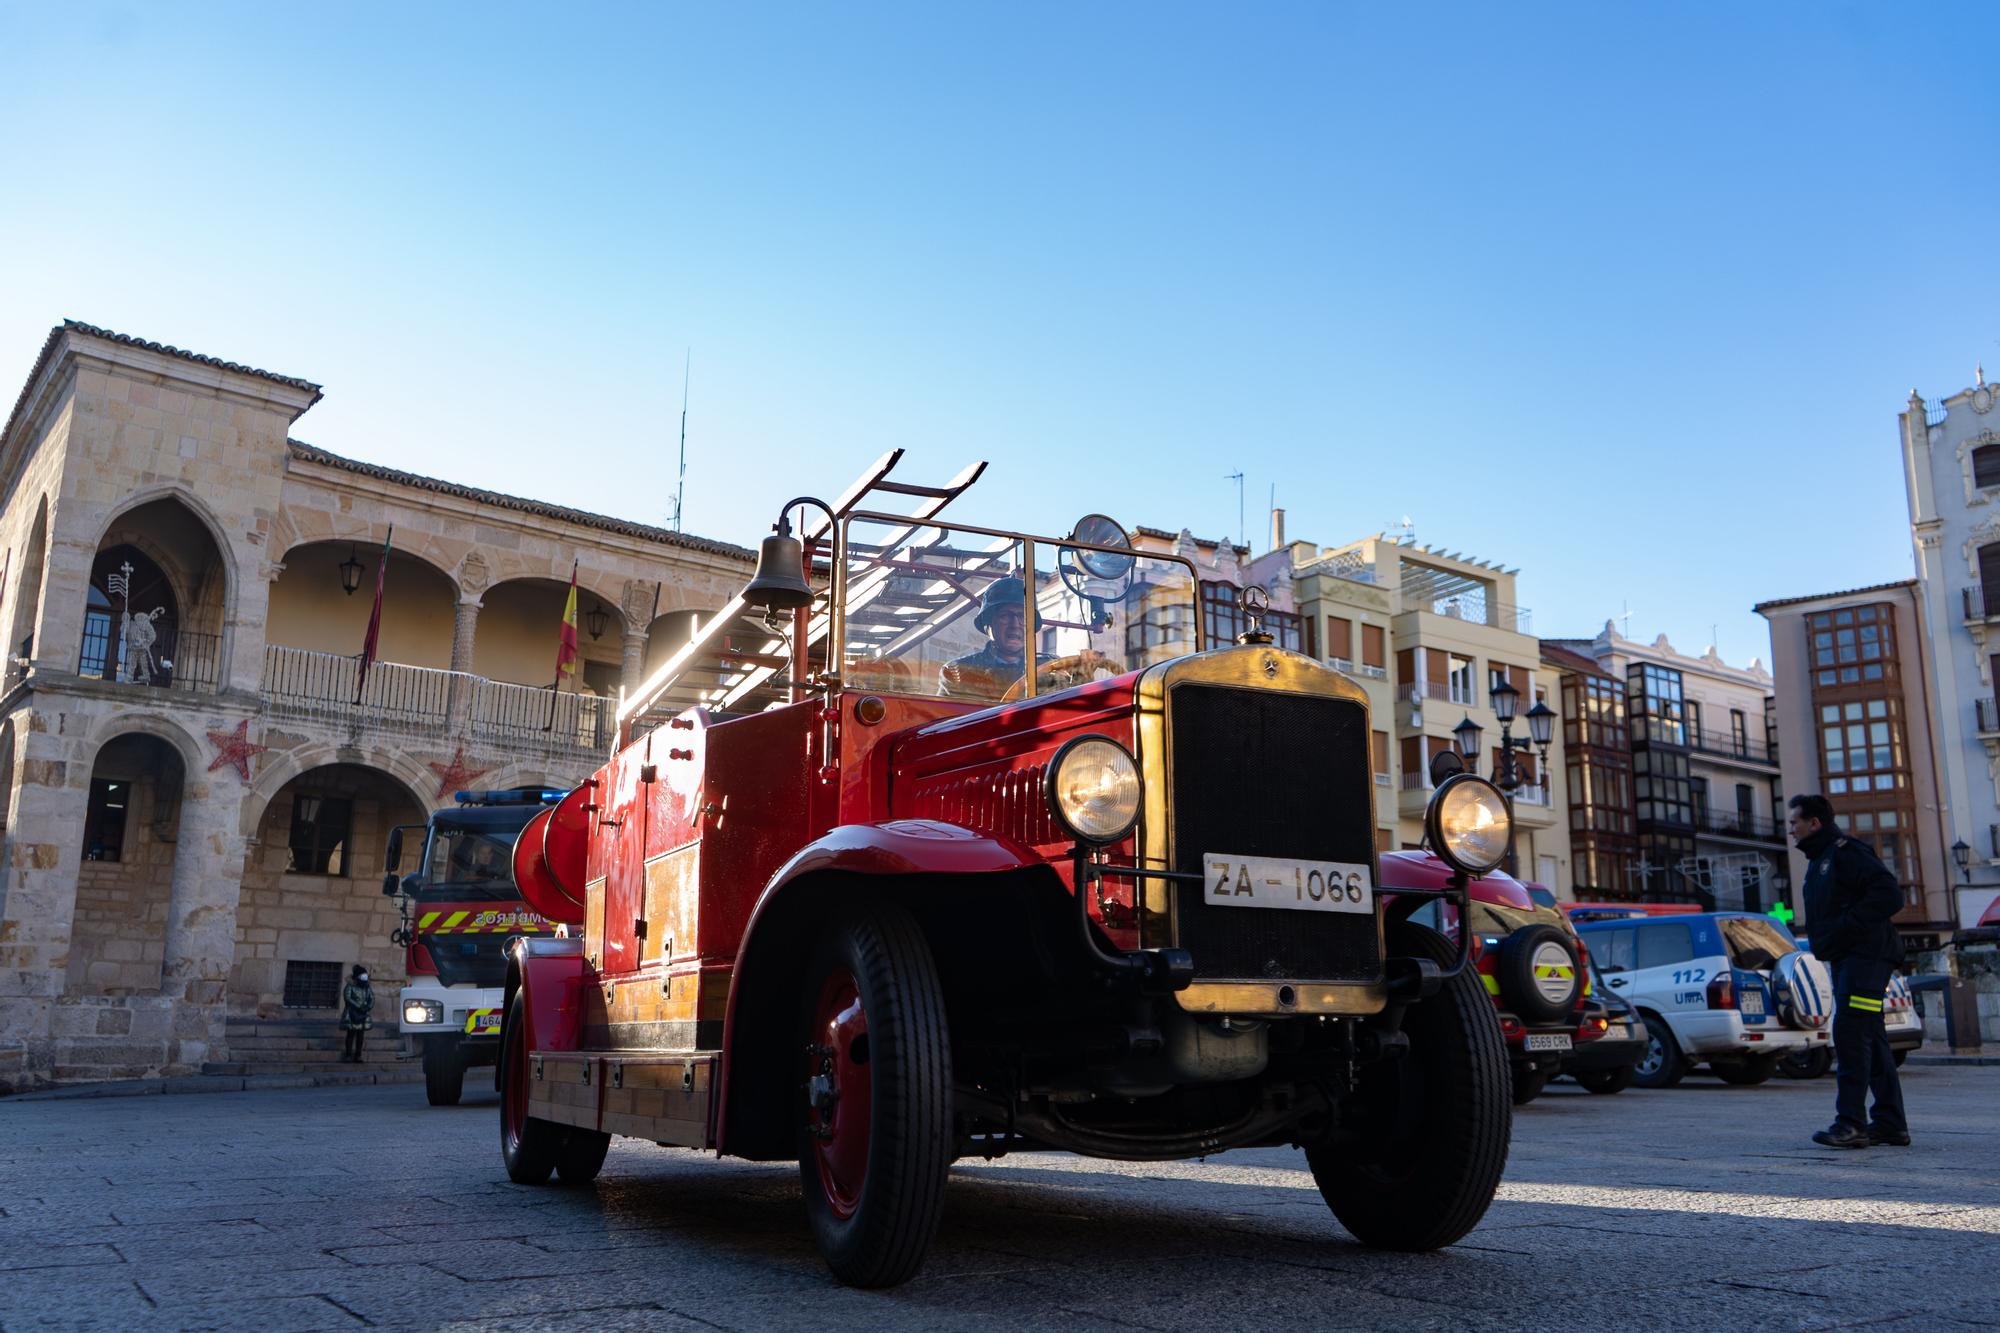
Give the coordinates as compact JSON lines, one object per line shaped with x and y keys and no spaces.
{"x":1237,"y":477}
{"x":680,"y":482}
{"x":1626,"y":616}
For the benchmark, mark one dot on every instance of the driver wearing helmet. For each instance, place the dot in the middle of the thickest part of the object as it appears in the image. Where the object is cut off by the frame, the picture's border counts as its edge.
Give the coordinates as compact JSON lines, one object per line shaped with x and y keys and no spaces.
{"x":988,"y":673}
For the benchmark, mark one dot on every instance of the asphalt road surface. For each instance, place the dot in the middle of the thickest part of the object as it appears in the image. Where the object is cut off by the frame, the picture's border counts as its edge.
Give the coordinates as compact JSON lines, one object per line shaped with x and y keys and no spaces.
{"x":1701,"y":1207}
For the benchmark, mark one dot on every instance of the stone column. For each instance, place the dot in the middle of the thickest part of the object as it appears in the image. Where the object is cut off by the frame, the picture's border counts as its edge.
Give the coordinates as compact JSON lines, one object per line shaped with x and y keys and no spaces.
{"x":44,"y":847}
{"x":458,"y":708}
{"x":201,"y":918}
{"x":635,"y":660}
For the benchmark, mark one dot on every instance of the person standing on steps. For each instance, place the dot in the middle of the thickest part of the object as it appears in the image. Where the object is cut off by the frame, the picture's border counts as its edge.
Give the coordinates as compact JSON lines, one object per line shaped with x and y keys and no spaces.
{"x":357,"y":998}
{"x":1850,"y":897}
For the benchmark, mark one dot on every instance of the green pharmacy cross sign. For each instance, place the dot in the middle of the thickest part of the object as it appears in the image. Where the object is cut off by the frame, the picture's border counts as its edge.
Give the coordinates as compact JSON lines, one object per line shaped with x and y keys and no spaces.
{"x":1782,"y":912}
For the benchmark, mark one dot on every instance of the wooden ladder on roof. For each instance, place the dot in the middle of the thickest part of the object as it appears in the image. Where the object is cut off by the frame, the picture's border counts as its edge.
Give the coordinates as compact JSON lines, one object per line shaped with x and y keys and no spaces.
{"x":733,"y":660}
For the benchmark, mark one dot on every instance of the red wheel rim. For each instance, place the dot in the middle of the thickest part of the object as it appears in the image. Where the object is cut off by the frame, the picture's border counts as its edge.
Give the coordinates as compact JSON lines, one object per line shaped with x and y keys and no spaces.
{"x":839,"y":1092}
{"x":514,"y":1097}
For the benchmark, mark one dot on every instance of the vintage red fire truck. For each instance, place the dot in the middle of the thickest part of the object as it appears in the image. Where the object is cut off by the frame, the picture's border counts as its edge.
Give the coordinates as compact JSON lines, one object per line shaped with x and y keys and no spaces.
{"x":863,"y":890}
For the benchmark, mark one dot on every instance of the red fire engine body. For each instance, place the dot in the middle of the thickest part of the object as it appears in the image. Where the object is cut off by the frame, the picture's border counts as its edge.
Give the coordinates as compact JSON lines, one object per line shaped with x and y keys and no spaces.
{"x":843,"y":908}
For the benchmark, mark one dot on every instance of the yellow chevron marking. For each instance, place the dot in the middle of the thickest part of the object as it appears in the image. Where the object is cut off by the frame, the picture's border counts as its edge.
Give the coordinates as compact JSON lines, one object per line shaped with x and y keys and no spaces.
{"x":453,"y":920}
{"x":1558,"y":971}
{"x":1492,"y":983}
{"x":424,"y":921}
{"x":483,"y":1023}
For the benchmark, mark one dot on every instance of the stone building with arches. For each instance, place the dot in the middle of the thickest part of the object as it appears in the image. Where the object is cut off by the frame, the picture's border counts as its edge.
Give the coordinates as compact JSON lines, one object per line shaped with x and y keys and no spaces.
{"x":195,"y":778}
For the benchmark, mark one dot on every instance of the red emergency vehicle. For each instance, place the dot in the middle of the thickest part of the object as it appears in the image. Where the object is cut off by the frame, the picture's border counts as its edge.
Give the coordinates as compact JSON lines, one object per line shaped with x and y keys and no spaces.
{"x":863,"y":890}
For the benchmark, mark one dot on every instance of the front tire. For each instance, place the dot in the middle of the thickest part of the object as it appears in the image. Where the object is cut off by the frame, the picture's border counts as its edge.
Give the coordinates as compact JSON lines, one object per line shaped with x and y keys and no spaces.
{"x":444,"y":1072}
{"x":528,"y":1145}
{"x":1433,"y":1125}
{"x":1749,"y":1071}
{"x":1805,"y":1063}
{"x":875,"y":1130}
{"x":1662,"y":1065}
{"x":1607,"y":1081}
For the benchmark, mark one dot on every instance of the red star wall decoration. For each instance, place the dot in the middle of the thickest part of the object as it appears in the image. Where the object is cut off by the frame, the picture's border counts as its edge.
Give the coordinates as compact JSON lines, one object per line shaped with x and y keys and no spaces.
{"x":235,"y":748}
{"x":456,"y":774}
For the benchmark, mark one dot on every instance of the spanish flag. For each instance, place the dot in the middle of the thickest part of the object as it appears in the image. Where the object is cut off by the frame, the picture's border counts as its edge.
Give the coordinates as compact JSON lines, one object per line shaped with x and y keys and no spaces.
{"x":567,"y":662}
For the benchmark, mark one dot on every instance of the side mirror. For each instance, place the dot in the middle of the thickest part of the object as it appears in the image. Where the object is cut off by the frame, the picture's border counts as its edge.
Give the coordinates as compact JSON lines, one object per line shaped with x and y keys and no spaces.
{"x":392,"y":856}
{"x":1444,"y":764}
{"x":389,"y":884}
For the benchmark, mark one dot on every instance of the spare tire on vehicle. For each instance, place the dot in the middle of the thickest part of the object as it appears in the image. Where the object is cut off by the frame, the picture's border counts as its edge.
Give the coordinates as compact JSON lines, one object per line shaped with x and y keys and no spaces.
{"x":1538,"y":975}
{"x":1804,"y":987}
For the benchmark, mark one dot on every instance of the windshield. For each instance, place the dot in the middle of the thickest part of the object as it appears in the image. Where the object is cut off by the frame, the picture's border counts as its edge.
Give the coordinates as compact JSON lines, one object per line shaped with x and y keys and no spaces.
{"x":467,"y":864}
{"x":1755,"y":942}
{"x":943,"y":611}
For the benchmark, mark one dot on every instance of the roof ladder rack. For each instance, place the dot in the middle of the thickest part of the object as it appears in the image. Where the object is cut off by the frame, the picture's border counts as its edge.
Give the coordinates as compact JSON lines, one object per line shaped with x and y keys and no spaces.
{"x":735,"y":654}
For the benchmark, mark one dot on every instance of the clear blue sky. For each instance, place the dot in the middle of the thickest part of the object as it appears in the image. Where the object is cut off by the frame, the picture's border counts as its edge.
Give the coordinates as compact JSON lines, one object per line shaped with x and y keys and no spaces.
{"x":1626,"y":296}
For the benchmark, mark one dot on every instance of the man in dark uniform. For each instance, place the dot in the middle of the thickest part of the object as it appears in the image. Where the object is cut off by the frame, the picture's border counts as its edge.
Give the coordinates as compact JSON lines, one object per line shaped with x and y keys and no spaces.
{"x":987,"y":673}
{"x":1850,"y":897}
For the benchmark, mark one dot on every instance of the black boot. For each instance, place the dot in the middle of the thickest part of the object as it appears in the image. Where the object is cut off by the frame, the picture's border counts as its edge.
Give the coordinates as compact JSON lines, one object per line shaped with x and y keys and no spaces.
{"x":1840,"y":1134}
{"x":1879,"y":1137}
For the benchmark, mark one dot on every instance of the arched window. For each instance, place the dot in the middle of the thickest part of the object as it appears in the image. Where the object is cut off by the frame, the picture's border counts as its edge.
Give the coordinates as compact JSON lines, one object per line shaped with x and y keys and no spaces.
{"x":129,"y":621}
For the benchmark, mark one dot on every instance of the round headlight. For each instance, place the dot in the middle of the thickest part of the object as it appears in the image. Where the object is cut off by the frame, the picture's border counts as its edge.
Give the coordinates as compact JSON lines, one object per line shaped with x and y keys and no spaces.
{"x":1468,"y":824}
{"x":1093,"y":788}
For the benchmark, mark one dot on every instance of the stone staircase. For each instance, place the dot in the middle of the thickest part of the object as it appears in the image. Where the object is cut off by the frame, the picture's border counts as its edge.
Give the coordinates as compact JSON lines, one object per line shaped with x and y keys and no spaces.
{"x":303,"y":1046}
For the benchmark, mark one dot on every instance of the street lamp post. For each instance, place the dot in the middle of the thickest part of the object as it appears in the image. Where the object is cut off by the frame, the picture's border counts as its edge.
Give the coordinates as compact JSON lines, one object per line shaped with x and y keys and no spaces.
{"x":1961,"y":856}
{"x":1541,"y":730}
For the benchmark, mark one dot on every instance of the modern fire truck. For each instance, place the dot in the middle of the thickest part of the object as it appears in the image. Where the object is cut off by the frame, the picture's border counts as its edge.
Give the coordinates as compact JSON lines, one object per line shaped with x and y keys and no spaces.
{"x":460,"y":907}
{"x":864,"y":890}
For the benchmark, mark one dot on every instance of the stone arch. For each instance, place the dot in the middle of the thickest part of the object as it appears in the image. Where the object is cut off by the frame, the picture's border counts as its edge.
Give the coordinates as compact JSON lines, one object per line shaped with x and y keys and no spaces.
{"x":310,"y":611}
{"x":311,"y":903}
{"x":135,"y":814}
{"x":516,"y":636}
{"x":529,"y":773}
{"x":416,"y":780}
{"x":668,"y":632}
{"x":177,"y":532}
{"x":28,"y":597}
{"x":8,"y":741}
{"x":111,"y":726}
{"x":195,"y":505}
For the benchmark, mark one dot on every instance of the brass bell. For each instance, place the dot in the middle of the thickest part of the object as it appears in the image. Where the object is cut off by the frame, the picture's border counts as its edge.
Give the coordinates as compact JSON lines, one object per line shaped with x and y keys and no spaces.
{"x":780,"y":582}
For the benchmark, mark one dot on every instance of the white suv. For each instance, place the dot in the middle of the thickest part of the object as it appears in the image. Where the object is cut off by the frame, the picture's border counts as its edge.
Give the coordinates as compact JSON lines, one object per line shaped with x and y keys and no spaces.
{"x":1703,"y":983}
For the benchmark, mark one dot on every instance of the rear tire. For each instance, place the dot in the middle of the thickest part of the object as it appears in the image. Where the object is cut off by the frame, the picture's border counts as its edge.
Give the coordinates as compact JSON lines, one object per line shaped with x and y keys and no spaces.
{"x":1662,"y":1065}
{"x":444,"y":1073}
{"x":528,"y":1145}
{"x":875,"y":1098}
{"x":1528,"y":1084}
{"x":1434,"y":1125}
{"x":1607,"y":1081}
{"x":581,"y":1156}
{"x":1747,"y":1072}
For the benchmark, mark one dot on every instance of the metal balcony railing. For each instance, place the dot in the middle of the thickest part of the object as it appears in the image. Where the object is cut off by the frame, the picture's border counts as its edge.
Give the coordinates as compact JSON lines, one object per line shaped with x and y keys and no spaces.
{"x":1736,"y":824}
{"x":1342,"y":663}
{"x":1381,"y":779}
{"x":175,"y":658}
{"x":1373,"y":672}
{"x":1732,"y":746}
{"x":1418,"y":691}
{"x":1416,"y":782}
{"x":1989,"y":716}
{"x":1531,"y":793}
{"x":425,"y":701}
